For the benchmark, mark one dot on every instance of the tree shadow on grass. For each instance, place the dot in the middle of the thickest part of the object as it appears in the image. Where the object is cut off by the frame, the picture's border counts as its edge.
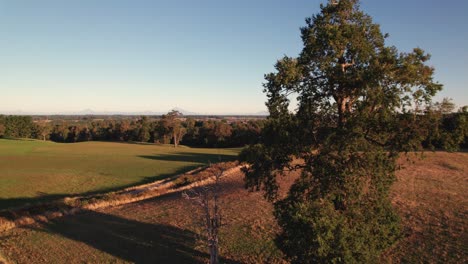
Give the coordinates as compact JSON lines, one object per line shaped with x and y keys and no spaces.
{"x":127,"y":239}
{"x":41,"y":200}
{"x":191,"y":157}
{"x":18,"y":139}
{"x":194,"y":160}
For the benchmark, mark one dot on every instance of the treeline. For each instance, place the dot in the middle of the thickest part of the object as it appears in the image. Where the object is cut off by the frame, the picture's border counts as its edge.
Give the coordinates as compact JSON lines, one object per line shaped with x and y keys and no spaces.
{"x":170,"y":129}
{"x":17,"y":127}
{"x":448,"y":131}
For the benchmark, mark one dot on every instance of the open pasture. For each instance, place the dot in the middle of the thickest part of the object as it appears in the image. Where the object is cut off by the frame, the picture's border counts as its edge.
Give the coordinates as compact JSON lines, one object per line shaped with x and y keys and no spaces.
{"x":36,"y":171}
{"x":430,"y":197}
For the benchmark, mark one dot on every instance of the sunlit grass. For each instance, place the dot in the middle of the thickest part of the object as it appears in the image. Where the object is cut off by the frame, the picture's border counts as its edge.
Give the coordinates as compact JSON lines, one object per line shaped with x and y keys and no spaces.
{"x":35,"y":171}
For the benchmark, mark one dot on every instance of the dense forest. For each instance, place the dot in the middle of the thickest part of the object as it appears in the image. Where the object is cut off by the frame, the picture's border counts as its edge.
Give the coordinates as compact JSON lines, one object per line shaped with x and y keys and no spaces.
{"x":172,"y":128}
{"x":449,"y":130}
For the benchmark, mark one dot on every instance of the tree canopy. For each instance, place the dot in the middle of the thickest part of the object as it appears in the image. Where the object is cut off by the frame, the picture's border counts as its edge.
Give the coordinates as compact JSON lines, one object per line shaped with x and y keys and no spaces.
{"x":359,"y":105}
{"x":172,"y":125}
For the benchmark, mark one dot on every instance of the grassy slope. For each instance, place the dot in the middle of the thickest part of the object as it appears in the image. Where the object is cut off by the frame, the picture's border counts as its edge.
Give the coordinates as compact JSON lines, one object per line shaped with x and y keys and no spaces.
{"x":430,"y":196}
{"x":34,"y":169}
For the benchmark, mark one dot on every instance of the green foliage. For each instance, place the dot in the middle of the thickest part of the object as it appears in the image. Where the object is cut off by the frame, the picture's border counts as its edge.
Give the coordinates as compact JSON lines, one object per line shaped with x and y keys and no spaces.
{"x":143,"y":130}
{"x":2,"y":125}
{"x":203,"y":132}
{"x":16,"y":126}
{"x":359,"y":106}
{"x":446,"y":106}
{"x":447,"y":130}
{"x":172,"y":126}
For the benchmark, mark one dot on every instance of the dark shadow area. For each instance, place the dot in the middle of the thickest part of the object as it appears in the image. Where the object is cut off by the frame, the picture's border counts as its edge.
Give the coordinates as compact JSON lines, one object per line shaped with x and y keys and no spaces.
{"x":19,"y":139}
{"x":191,"y":157}
{"x":140,"y":143}
{"x":11,"y":207}
{"x":461,"y":150}
{"x":226,"y":187}
{"x":128,"y":239}
{"x":44,"y":200}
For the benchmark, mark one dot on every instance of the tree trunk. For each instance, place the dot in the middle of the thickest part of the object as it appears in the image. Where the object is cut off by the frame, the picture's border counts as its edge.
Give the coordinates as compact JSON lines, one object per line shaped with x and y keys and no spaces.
{"x":174,"y":135}
{"x":341,"y":111}
{"x":214,"y":256}
{"x":344,"y":107}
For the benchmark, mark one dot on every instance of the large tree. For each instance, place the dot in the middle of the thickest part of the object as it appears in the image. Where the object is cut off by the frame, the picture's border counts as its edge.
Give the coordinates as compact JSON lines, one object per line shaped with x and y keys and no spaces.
{"x":172,"y":124}
{"x":359,"y":102}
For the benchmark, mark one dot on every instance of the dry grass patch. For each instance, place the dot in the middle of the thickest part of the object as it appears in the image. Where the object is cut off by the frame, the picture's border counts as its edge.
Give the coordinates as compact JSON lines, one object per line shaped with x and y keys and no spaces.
{"x":430,"y":195}
{"x":45,"y":212}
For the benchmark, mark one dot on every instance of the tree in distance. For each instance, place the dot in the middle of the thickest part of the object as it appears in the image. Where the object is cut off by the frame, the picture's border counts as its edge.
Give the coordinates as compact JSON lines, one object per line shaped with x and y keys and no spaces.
{"x":172,"y":125}
{"x":144,"y":129}
{"x":359,"y":106}
{"x":446,"y":106}
{"x":42,"y":130}
{"x":448,"y":130}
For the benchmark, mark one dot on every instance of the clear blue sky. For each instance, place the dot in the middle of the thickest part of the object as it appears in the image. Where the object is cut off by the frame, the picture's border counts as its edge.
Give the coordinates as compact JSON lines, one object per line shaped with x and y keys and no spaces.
{"x":206,"y":56}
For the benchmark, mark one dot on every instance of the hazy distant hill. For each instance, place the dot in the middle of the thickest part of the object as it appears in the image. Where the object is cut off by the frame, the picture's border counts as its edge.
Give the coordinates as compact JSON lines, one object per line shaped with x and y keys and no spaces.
{"x":147,"y":112}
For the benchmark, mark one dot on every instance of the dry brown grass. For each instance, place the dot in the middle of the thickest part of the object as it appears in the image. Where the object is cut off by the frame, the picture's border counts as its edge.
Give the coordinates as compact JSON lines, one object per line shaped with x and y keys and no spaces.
{"x":430,"y":196}
{"x":2,"y":259}
{"x":45,"y":212}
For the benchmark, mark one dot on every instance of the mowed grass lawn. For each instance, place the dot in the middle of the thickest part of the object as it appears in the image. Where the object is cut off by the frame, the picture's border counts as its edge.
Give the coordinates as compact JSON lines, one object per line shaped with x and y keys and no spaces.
{"x":34,"y":171}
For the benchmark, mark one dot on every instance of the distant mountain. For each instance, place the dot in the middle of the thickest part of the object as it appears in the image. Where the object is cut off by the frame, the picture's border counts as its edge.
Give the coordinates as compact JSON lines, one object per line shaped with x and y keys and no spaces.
{"x":183,"y":111}
{"x":15,"y":112}
{"x":86,"y":112}
{"x":89,"y":111}
{"x":262,"y":113}
{"x":92,"y":112}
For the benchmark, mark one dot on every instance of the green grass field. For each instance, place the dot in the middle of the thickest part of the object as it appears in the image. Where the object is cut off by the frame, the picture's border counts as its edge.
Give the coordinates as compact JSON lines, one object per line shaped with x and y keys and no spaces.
{"x":36,"y":171}
{"x":430,"y":197}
